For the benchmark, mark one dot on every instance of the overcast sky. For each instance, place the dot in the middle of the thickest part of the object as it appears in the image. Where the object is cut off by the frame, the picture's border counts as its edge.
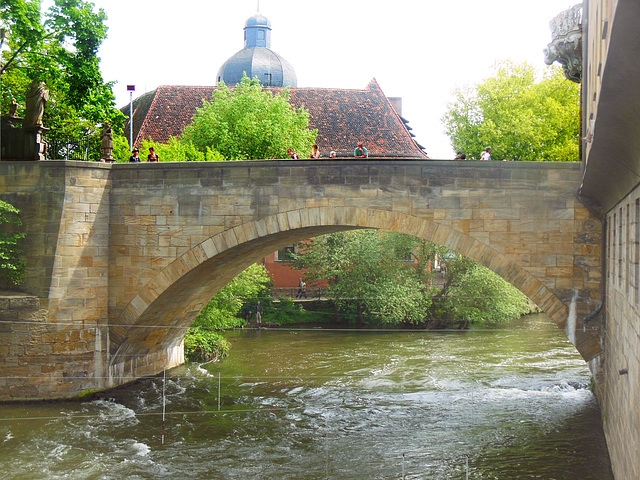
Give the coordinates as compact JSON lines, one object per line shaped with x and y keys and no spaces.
{"x":419,"y":50}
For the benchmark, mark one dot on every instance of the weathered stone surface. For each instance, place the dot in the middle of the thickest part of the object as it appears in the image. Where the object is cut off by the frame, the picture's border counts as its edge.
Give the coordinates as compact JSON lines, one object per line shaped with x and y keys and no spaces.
{"x":113,"y":248}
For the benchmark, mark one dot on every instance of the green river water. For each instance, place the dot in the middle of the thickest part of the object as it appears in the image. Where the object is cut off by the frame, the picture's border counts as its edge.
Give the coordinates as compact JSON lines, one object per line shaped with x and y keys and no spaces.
{"x":506,"y":403}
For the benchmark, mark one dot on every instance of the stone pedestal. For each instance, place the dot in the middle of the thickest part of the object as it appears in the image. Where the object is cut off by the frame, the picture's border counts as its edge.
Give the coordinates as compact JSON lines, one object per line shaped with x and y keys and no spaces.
{"x":21,"y":143}
{"x":35,"y":147}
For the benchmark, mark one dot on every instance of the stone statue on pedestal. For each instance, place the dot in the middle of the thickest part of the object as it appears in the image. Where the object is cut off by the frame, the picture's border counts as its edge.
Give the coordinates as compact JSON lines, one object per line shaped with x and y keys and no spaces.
{"x":106,"y":143}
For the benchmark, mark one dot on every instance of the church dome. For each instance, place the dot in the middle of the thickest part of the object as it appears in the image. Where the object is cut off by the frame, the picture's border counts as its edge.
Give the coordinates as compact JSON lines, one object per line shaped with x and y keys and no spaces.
{"x":257,"y":59}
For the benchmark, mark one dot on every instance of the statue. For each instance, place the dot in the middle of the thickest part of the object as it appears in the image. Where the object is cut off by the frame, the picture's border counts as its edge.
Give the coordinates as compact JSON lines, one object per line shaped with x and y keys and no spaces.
{"x":37,"y":97}
{"x":106,"y":144}
{"x":13,"y":108}
{"x":566,"y":46}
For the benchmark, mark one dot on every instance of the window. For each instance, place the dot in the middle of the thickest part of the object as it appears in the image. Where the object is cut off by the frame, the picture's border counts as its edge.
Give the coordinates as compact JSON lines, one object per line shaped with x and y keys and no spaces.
{"x":620,"y":259}
{"x":636,"y":255}
{"x":284,"y":254}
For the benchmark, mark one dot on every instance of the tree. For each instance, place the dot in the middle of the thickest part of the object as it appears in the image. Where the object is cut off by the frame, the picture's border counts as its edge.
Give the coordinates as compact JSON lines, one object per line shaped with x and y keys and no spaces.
{"x":248,"y":122}
{"x":60,"y":48}
{"x":178,"y":150}
{"x":221,"y":311}
{"x":371,"y":274}
{"x":520,"y":116}
{"x":474,"y":295}
{"x":12,"y":267}
{"x":201,"y":341}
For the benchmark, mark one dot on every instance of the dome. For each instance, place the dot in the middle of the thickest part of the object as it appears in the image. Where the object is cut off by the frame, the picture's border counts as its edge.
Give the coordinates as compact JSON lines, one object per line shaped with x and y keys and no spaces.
{"x":271,"y":69}
{"x":257,"y":59}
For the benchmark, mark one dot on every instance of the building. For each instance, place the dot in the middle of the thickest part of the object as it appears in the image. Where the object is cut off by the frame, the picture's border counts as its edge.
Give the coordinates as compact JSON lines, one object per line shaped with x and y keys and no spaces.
{"x":343,"y":117}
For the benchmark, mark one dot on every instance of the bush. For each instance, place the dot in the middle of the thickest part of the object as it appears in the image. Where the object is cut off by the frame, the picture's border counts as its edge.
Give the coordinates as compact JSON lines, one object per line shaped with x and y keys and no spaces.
{"x":12,"y":267}
{"x":202,"y":345}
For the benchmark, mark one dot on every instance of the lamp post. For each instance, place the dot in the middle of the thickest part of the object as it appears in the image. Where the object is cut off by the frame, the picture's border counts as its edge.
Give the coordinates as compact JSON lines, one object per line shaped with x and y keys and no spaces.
{"x":131,"y":89}
{"x":3,"y":35}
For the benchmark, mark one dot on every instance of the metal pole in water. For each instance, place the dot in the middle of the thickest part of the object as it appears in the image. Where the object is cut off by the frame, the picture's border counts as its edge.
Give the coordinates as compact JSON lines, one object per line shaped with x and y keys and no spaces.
{"x":403,"y":466}
{"x":466,"y":466}
{"x":164,"y":379}
{"x":218,"y":391}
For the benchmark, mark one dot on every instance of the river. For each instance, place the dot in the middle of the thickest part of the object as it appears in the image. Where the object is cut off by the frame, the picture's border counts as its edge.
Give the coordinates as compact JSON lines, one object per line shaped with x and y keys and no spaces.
{"x":505,"y":403}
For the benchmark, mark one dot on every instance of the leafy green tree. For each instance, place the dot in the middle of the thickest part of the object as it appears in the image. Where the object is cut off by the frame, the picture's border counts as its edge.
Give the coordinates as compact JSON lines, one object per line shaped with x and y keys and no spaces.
{"x":521,"y":116}
{"x":474,"y":295}
{"x":60,"y":48}
{"x":371,"y":275}
{"x":222,"y":310}
{"x":12,"y":267}
{"x":248,"y":122}
{"x":202,"y":342}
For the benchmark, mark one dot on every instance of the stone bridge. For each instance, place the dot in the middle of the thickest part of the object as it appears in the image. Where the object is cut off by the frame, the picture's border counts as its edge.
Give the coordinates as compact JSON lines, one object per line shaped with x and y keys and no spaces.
{"x":121,"y":257}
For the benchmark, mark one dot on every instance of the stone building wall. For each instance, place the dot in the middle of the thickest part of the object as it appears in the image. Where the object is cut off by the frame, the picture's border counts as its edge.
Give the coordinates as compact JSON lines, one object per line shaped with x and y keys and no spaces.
{"x":620,"y":403}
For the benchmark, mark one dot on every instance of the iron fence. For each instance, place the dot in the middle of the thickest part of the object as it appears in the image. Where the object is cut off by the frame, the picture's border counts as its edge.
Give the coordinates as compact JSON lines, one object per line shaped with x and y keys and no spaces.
{"x":69,"y":148}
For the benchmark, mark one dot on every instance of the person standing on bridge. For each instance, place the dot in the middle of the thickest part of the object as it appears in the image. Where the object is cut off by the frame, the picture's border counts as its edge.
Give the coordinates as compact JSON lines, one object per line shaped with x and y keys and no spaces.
{"x":293,"y":154}
{"x":315,"y":153}
{"x":486,"y":155}
{"x":361,"y":151}
{"x":153,"y":156}
{"x":134,"y":158}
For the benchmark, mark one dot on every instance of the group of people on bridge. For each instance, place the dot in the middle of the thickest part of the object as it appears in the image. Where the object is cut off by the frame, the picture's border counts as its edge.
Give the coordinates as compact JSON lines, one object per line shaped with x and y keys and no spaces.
{"x":359,"y":152}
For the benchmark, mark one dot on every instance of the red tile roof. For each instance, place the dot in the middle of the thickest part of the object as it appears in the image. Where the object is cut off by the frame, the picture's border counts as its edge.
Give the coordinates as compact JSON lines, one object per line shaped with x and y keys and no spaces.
{"x":343,"y":117}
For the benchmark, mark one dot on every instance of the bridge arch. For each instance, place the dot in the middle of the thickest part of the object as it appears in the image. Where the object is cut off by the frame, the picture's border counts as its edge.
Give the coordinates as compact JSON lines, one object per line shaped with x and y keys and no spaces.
{"x":156,"y":318}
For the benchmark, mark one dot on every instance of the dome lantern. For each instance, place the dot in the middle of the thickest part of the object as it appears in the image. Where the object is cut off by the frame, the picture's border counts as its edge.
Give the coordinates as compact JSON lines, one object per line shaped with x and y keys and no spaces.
{"x":257,"y":59}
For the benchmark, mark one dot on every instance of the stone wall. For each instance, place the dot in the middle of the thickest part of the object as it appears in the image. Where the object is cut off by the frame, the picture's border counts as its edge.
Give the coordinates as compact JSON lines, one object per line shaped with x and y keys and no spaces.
{"x":621,"y":374}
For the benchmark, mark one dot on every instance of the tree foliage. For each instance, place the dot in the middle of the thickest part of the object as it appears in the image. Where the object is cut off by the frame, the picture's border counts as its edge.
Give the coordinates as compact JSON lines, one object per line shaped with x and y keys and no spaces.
{"x":202,"y":342}
{"x":474,"y":295}
{"x":60,"y":48}
{"x":179,"y":150}
{"x":368,"y":273}
{"x":12,"y":267}
{"x":222,"y":310}
{"x":370,"y":278}
{"x":248,"y":122}
{"x":521,"y":116}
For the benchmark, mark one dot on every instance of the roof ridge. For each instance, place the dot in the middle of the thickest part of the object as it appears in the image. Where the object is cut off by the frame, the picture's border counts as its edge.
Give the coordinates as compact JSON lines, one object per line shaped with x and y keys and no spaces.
{"x":146,"y":117}
{"x":404,"y":125}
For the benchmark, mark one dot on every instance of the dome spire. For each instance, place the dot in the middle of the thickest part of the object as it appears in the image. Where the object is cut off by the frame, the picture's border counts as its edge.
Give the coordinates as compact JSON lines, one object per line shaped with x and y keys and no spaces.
{"x":257,"y":32}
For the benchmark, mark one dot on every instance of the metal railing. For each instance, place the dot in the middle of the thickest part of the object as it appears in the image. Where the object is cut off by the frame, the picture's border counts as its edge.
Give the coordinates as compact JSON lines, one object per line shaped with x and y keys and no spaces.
{"x":68,"y":148}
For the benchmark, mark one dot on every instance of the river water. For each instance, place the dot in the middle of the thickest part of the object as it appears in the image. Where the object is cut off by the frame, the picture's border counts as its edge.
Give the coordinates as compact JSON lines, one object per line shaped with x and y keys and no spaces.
{"x":507,"y":403}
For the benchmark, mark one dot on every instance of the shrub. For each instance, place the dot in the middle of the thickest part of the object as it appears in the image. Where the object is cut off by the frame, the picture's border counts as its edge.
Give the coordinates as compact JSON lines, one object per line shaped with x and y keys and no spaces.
{"x":202,"y":345}
{"x":12,"y":267}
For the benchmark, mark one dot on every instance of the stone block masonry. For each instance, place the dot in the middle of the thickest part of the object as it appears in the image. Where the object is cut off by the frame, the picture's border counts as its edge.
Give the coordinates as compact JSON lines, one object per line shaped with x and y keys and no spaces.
{"x":121,"y":257}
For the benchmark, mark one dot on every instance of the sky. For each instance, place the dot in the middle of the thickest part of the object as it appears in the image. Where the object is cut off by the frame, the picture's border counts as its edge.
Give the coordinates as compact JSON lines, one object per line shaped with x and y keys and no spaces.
{"x":420,"y":50}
